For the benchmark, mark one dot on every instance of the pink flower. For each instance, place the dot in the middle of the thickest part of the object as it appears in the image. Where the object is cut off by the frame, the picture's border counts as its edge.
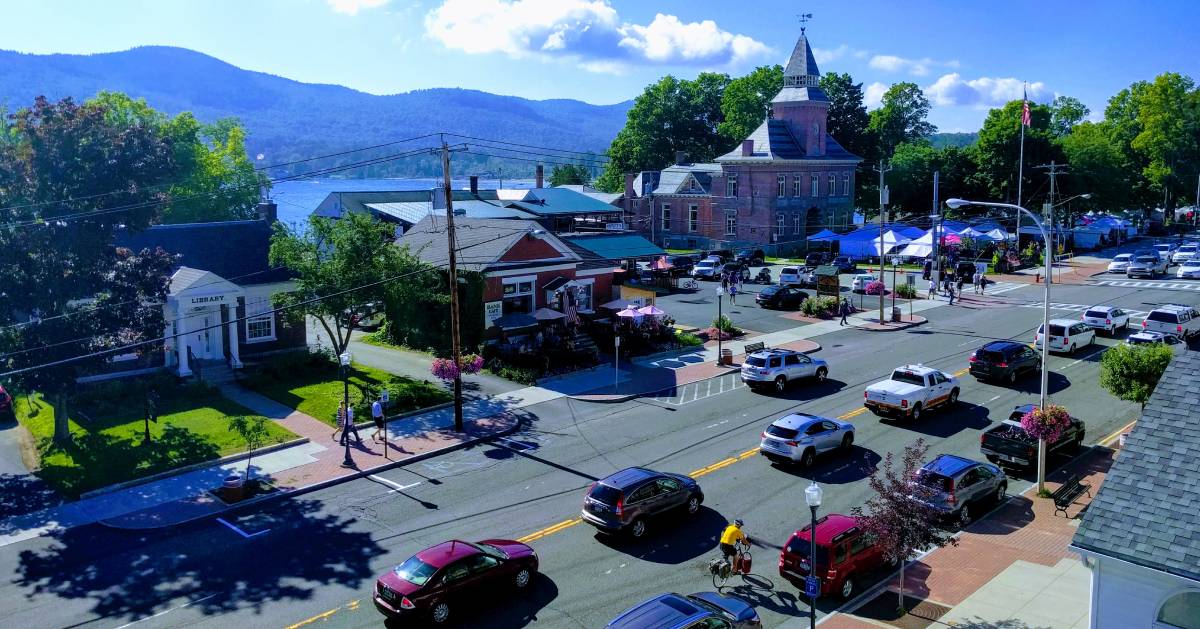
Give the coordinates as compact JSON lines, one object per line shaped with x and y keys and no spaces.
{"x":1047,"y":424}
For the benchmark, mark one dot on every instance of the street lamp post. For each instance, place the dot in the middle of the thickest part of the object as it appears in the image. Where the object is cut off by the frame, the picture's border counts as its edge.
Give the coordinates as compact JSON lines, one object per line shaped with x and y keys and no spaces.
{"x":720,"y":295}
{"x":344,"y":364}
{"x":1048,"y":257}
{"x":812,"y":496}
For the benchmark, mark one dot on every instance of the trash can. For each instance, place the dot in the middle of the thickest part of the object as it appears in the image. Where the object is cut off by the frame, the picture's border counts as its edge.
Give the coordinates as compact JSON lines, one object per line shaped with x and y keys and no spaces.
{"x":896,"y":314}
{"x":726,"y":357}
{"x":233,"y":489}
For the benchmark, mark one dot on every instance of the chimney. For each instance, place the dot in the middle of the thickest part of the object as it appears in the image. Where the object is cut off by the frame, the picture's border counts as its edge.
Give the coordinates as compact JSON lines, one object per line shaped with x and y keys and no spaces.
{"x":747,"y":148}
{"x":268,"y":211}
{"x":629,"y":177}
{"x":680,"y":158}
{"x":538,"y":176}
{"x":474,"y":185}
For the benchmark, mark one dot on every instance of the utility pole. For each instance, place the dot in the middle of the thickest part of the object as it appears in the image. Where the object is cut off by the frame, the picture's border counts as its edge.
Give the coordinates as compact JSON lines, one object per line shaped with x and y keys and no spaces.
{"x":1053,"y":170}
{"x":882,"y":169}
{"x":452,"y":250}
{"x":935,"y":275}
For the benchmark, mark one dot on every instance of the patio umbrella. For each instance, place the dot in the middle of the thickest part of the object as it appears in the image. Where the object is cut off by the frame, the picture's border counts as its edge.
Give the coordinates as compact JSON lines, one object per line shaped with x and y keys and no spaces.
{"x":629,"y":312}
{"x":653,"y":311}
{"x":617,"y":304}
{"x":515,"y":321}
{"x":547,"y":314}
{"x":660,"y":264}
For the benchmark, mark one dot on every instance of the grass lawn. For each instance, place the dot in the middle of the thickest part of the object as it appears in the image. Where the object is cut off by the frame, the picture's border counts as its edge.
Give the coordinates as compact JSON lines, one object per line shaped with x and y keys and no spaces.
{"x":107,"y":448}
{"x":318,"y":392}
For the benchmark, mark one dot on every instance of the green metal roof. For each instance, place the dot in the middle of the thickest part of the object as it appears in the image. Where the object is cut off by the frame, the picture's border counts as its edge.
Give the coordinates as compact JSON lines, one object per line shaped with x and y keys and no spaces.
{"x":550,"y":201}
{"x":616,"y":246}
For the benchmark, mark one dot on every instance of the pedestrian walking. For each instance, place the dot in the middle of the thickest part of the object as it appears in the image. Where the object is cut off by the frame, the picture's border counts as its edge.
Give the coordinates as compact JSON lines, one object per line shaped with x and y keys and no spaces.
{"x":959,"y":284}
{"x":844,"y":310}
{"x":377,"y":417}
{"x":950,"y":292}
{"x":725,"y":282}
{"x":346,"y":416}
{"x":932,"y":289}
{"x":982,"y":283}
{"x":733,"y":293}
{"x":975,"y":282}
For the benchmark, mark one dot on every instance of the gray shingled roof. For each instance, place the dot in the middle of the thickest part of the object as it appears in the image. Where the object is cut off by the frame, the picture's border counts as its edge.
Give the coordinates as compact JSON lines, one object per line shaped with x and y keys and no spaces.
{"x":801,"y":63}
{"x":794,"y":93}
{"x":481,"y":242}
{"x":234,"y":250}
{"x":773,"y":140}
{"x":673,"y":179}
{"x":1147,"y":512}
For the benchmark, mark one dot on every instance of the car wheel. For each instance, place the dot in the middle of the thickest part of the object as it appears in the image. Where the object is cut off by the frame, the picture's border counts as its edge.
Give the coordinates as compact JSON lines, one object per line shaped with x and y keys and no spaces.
{"x":440,"y":613}
{"x":822,"y":373}
{"x":848,"y":442}
{"x":1012,"y":377}
{"x":806,"y":460}
{"x":693,"y":504}
{"x":524,"y":576}
{"x":915,"y":413}
{"x":1071,"y":350}
{"x":953,"y":397}
{"x":964,"y":514}
{"x":638,"y":529}
{"x":780,"y":384}
{"x":847,"y":588}
{"x":1001,"y":492}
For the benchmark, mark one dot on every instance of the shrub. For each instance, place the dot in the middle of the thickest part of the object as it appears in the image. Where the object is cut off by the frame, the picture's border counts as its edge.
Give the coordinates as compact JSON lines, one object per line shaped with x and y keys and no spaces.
{"x":819,"y":306}
{"x":714,"y":334}
{"x":724,"y":324}
{"x":1048,"y":423}
{"x":907,"y":291}
{"x":687,"y":339}
{"x":874,"y":288}
{"x":522,"y":375}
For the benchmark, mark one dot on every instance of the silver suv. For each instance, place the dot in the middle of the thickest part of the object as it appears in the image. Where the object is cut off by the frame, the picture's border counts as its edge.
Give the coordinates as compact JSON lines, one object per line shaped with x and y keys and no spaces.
{"x":799,"y":438}
{"x":1178,"y":320}
{"x":778,"y":367}
{"x":962,"y":487}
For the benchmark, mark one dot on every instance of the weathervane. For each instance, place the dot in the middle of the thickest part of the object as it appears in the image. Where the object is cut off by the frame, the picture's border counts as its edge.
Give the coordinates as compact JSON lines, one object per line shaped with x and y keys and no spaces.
{"x":804,"y":18}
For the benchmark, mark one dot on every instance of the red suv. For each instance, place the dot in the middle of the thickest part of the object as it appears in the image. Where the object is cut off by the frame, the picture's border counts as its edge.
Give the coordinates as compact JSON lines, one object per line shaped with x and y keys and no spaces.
{"x":845,"y":552}
{"x":5,"y":401}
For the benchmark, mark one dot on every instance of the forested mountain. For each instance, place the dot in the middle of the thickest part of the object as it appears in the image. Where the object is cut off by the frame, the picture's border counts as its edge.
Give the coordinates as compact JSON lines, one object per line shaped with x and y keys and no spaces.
{"x":288,"y":120}
{"x":961,"y":140}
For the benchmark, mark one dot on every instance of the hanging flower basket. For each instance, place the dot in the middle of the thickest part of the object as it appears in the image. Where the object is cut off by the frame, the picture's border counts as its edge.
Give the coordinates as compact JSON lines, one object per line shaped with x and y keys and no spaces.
{"x":875,"y":287}
{"x":1048,"y":423}
{"x":445,"y":368}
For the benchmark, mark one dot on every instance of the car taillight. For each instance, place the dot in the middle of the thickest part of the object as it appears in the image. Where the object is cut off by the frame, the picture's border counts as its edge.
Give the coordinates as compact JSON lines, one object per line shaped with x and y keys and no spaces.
{"x":1179,"y":329}
{"x":620,"y":506}
{"x":980,"y":438}
{"x":1107,"y":321}
{"x":864,"y":395}
{"x":951,"y":498}
{"x":831,"y":575}
{"x":971,"y":359}
{"x":903,"y":403}
{"x":1002,"y":365}
{"x":764,"y":434}
{"x":1066,"y":339}
{"x":406,"y":604}
{"x":793,"y":443}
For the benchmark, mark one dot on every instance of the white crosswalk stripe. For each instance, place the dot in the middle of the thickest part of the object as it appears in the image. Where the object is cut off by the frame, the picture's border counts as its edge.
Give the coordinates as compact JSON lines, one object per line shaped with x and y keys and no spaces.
{"x":697,"y":391}
{"x":1003,"y":287}
{"x":1054,"y":305}
{"x":1181,"y":285}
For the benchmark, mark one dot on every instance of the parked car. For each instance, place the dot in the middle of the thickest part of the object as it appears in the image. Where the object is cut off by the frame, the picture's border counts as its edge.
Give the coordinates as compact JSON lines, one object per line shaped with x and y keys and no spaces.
{"x":1146,"y":266}
{"x":453,"y":575}
{"x":1165,"y":249}
{"x":910,"y":390}
{"x":751,"y":257}
{"x":1066,"y":335}
{"x":1120,"y":262}
{"x":1141,"y":338}
{"x":625,"y":501}
{"x":859,"y":284}
{"x":844,"y":264}
{"x":733,"y":269}
{"x":845,"y":555}
{"x":702,"y":610}
{"x":705,"y":270}
{"x":680,"y":265}
{"x":780,"y":296}
{"x":1007,"y":442}
{"x":1004,"y":360}
{"x":1184,"y":253}
{"x":1178,"y":320}
{"x":725,"y":255}
{"x":1189,"y":269}
{"x":816,"y":258}
{"x":779,"y":367}
{"x":800,"y":438}
{"x":967,"y":270}
{"x":6,"y":401}
{"x":790,"y":276}
{"x":1107,"y":318}
{"x":960,"y":487}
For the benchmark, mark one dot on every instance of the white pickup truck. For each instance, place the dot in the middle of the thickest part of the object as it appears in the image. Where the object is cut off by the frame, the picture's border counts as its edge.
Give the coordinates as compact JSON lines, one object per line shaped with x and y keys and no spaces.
{"x":910,"y":391}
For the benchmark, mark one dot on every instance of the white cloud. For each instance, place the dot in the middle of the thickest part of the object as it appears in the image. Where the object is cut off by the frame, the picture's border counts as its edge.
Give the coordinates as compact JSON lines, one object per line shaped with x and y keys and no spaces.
{"x":915,"y":67}
{"x":825,"y":55}
{"x":588,"y":31}
{"x":983,"y":92}
{"x":352,"y":7}
{"x":873,"y":96}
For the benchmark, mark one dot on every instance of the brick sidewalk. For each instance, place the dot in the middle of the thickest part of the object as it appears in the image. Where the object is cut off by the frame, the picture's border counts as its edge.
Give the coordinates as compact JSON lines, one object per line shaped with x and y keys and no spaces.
{"x":1024,"y":529}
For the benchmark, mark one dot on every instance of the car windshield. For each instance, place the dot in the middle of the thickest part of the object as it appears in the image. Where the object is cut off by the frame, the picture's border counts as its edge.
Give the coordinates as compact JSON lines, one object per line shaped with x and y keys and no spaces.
{"x":933,"y":480}
{"x":605,"y":494}
{"x":1188,"y":248}
{"x":1147,"y":259}
{"x":705,"y":264}
{"x":908,"y":377}
{"x":1163,"y":316}
{"x":782,"y":432}
{"x":756,"y":361}
{"x":1098,"y":314}
{"x":415,"y":571}
{"x":1124,"y":257}
{"x":768,"y":291}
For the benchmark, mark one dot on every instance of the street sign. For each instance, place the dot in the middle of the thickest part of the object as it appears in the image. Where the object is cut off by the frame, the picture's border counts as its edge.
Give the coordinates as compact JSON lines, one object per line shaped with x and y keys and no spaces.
{"x":385,"y":397}
{"x":812,"y":586}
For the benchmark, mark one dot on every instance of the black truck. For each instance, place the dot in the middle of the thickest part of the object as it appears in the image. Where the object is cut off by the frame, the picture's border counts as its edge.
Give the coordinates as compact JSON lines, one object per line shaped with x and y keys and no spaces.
{"x":1007,"y":443}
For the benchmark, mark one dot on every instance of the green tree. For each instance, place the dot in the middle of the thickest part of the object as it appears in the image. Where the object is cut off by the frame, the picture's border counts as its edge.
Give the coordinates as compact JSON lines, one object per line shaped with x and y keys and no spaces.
{"x":998,"y":151}
{"x":1169,"y":114}
{"x":1098,"y":167}
{"x":745,"y":102}
{"x":911,"y":180}
{"x":253,"y":430}
{"x":902,"y":117}
{"x":1130,"y":372}
{"x":330,"y":257}
{"x":670,"y":115}
{"x":1122,"y":117}
{"x":1065,"y":113}
{"x":570,"y":175}
{"x":849,"y":124}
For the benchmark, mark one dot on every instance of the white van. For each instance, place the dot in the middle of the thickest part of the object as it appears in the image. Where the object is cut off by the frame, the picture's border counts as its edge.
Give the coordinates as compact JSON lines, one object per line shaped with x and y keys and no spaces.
{"x":1067,"y":335}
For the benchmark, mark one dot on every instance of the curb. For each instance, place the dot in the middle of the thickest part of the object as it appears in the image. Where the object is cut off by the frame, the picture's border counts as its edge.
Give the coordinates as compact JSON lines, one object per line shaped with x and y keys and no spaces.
{"x":318,"y":485}
{"x":230,"y":458}
{"x":419,"y":411}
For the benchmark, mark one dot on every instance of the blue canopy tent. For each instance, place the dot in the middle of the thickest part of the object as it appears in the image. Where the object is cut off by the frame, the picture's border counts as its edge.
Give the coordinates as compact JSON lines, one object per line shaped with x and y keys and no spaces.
{"x":824,"y":235}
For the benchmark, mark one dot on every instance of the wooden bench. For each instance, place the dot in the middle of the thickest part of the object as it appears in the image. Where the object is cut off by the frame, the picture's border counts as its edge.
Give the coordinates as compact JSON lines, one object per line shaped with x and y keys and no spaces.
{"x":1066,"y":494}
{"x":754,"y":347}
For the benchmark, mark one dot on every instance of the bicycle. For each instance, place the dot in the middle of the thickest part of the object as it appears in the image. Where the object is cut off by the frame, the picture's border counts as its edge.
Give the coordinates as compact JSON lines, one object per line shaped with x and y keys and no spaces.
{"x":722,"y":569}
{"x":689,"y":284}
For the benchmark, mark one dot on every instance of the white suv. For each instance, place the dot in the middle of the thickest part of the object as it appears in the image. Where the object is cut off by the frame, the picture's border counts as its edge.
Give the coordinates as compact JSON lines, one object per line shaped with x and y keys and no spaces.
{"x":1184,"y":253}
{"x":1107,"y":318}
{"x":1066,"y":335}
{"x":791,"y":276}
{"x":1177,"y":320}
{"x":779,"y":367}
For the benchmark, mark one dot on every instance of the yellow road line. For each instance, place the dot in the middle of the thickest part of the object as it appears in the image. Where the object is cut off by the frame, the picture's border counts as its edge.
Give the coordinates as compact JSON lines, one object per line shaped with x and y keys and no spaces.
{"x":321,"y":616}
{"x":961,"y":372}
{"x":748,"y":453}
{"x":549,"y":530}
{"x":1117,"y":435}
{"x":854,"y":413}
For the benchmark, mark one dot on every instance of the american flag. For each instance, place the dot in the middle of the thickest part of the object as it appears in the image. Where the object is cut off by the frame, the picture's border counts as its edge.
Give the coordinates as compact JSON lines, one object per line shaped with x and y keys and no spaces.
{"x":572,"y":312}
{"x":1025,"y":117}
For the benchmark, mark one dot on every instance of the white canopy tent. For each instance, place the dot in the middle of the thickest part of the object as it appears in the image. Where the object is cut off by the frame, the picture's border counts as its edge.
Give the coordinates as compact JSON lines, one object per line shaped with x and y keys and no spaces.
{"x":869,"y":247}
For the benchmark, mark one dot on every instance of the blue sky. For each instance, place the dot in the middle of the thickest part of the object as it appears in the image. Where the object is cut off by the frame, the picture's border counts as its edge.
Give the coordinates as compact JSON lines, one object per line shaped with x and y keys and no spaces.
{"x":967,"y":55}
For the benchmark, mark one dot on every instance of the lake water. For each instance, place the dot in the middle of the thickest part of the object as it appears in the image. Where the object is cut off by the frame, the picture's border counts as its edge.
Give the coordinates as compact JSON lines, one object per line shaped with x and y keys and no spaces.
{"x":297,"y":199}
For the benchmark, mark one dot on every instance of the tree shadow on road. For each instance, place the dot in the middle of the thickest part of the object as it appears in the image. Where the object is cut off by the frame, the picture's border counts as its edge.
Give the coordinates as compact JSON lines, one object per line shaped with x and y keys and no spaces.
{"x":837,"y":468}
{"x":132,"y":575}
{"x":946,"y":422}
{"x":804,"y":390}
{"x":24,"y":493}
{"x":673,"y":538}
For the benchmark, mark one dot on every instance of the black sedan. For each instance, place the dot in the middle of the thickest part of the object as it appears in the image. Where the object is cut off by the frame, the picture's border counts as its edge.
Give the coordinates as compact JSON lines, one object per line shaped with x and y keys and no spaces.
{"x":777,"y":296}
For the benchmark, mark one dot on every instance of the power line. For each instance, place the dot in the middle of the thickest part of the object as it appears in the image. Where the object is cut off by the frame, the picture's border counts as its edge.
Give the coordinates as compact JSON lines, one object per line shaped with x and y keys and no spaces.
{"x":529,"y":146}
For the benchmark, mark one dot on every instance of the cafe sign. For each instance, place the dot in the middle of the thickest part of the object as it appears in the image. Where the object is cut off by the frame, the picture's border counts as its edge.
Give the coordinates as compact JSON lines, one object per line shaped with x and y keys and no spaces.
{"x":492,"y":310}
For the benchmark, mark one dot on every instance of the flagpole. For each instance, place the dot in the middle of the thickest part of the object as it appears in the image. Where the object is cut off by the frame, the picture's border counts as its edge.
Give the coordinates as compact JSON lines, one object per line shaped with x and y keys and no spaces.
{"x":1021,"y":159}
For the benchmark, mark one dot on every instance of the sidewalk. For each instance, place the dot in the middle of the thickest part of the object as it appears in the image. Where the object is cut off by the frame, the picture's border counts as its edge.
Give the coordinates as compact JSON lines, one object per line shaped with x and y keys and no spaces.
{"x":1010,"y":569}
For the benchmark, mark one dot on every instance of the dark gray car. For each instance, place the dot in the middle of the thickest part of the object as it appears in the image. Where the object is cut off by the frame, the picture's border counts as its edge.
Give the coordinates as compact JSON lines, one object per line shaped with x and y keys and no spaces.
{"x":627,"y":500}
{"x":961,"y":488}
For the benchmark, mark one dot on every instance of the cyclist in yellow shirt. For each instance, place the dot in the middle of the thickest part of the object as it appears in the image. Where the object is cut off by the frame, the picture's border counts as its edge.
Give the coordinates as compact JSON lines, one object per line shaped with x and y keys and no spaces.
{"x":730,"y":536}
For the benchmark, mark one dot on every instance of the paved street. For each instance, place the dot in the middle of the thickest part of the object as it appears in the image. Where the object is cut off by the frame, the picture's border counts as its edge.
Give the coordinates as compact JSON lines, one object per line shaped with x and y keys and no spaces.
{"x":313,"y":560}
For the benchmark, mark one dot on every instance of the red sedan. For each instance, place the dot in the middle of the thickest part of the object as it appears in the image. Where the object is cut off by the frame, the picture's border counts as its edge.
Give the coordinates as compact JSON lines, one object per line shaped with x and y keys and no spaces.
{"x":437,"y":579}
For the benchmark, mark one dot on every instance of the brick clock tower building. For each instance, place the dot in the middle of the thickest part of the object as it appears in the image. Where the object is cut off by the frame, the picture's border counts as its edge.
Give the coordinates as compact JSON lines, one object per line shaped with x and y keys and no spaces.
{"x":789,"y":179}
